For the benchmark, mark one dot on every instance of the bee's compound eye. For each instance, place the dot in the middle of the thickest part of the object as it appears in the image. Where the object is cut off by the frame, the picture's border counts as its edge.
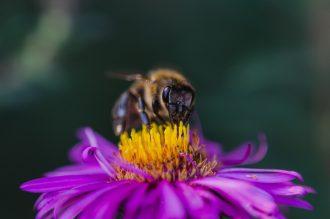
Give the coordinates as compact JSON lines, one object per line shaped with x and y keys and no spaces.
{"x":166,"y":94}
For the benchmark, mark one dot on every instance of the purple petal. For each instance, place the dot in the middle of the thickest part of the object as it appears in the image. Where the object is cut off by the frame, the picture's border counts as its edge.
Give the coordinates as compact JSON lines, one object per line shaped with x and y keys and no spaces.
{"x":293,"y":202}
{"x":285,"y":189}
{"x":52,"y":199}
{"x":219,"y":206}
{"x":93,"y":139}
{"x":55,"y":204}
{"x":112,"y":210}
{"x":46,"y":198}
{"x":66,"y":201}
{"x":89,"y":141}
{"x":171,"y":206}
{"x":95,"y":148}
{"x":77,"y":207}
{"x":107,"y":205}
{"x":279,"y":215}
{"x":49,"y":184}
{"x":255,"y":201}
{"x":260,"y":175}
{"x":44,"y":212}
{"x":74,"y":203}
{"x":238,"y":156}
{"x":40,"y":199}
{"x":105,"y":158}
{"x":43,"y":215}
{"x":149,"y":208}
{"x":104,"y":163}
{"x":135,"y":201}
{"x":193,"y":201}
{"x":98,"y":148}
{"x":92,"y":153}
{"x":212,"y":148}
{"x":75,"y":153}
{"x":47,"y":215}
{"x":90,"y":138}
{"x":77,"y":169}
{"x":261,"y":152}
{"x":148,"y":212}
{"x":246,"y":153}
{"x":195,"y":204}
{"x":48,"y":205}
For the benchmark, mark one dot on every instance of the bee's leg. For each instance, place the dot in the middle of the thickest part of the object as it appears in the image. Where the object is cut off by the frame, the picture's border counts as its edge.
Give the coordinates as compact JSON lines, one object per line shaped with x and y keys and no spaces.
{"x":141,"y":106}
{"x":156,"y":109}
{"x":187,"y":116}
{"x":159,"y":118}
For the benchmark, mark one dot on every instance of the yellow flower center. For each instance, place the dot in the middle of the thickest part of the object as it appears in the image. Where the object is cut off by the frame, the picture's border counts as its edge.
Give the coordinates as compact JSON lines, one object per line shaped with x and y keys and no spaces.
{"x":154,"y":146}
{"x":164,"y":152}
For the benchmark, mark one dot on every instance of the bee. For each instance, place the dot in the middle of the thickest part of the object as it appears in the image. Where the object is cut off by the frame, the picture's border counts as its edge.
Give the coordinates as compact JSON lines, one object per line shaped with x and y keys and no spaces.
{"x":161,"y":96}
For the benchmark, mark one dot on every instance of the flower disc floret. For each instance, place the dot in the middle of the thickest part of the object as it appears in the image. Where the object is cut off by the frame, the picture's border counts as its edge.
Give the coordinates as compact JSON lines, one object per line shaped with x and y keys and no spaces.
{"x":165,"y":152}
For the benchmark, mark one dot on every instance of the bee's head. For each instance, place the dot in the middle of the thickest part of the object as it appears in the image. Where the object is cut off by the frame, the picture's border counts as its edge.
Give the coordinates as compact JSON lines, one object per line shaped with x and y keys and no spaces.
{"x":179,"y":101}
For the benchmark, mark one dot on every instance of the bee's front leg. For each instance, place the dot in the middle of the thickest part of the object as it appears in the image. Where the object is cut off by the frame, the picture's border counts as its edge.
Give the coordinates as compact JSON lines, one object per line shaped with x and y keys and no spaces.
{"x":156,"y":108}
{"x":141,"y":107}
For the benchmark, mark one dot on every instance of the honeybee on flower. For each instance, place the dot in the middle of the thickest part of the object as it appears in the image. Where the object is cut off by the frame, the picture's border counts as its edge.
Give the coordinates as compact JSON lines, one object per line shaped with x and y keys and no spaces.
{"x":164,"y":170}
{"x":164,"y":95}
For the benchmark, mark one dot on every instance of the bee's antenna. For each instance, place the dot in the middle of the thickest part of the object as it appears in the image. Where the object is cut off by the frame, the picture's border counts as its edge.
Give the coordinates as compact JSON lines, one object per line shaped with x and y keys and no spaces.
{"x":126,"y":77}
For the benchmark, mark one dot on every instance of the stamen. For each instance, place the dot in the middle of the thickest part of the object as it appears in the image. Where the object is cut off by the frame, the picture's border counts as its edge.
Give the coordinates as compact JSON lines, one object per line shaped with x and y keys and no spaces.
{"x":164,"y":151}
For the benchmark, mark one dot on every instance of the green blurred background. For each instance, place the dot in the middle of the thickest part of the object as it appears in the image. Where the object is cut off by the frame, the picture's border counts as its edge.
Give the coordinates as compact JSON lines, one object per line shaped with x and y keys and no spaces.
{"x":256,"y":65}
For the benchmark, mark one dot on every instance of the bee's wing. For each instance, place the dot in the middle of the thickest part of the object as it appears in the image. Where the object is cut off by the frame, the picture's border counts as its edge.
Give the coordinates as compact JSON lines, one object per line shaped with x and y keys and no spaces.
{"x":195,"y":123}
{"x":126,"y":77}
{"x":124,"y":113}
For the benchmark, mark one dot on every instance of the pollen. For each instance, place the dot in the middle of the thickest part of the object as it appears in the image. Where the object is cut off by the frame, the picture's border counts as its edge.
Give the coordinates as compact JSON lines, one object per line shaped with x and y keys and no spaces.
{"x":165,"y":152}
{"x":154,"y":146}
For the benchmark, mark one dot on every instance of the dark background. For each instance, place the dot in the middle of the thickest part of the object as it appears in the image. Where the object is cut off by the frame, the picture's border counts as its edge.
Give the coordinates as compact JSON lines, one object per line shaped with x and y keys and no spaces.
{"x":256,"y":65}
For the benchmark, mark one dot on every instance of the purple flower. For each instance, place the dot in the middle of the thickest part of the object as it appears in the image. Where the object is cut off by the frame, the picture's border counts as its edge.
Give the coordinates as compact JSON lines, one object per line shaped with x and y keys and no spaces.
{"x":164,"y":172}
